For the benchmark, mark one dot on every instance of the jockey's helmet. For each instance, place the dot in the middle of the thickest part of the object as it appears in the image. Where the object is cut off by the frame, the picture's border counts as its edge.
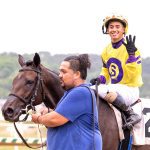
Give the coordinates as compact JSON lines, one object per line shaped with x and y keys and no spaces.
{"x":109,"y":19}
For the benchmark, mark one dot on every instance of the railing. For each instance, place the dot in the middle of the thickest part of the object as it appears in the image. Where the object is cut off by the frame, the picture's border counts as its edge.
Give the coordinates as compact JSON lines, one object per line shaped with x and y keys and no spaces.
{"x":33,"y":134}
{"x":10,"y":141}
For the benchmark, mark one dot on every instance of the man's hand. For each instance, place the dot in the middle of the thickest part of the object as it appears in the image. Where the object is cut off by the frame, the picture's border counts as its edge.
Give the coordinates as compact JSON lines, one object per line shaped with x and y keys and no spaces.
{"x":35,"y":118}
{"x":45,"y":110}
{"x":130,"y":45}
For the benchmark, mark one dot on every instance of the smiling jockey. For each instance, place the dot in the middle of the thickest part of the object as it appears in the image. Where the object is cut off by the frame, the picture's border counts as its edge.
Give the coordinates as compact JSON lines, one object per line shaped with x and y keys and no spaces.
{"x":120,"y":76}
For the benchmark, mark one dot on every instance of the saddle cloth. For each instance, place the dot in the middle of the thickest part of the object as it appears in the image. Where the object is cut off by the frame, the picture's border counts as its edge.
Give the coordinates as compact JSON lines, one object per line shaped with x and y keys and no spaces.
{"x":141,"y":131}
{"x":119,"y":121}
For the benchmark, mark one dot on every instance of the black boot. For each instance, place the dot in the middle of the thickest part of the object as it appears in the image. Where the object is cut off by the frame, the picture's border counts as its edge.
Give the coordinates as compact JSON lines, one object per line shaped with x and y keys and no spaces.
{"x":132,"y":118}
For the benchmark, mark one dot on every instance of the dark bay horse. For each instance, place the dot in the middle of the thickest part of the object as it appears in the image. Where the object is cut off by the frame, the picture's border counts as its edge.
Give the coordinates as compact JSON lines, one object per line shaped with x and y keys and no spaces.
{"x":35,"y":84}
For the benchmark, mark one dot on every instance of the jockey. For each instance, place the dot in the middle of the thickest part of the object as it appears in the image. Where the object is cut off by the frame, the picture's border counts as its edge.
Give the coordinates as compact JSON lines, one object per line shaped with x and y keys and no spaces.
{"x":120,"y":76}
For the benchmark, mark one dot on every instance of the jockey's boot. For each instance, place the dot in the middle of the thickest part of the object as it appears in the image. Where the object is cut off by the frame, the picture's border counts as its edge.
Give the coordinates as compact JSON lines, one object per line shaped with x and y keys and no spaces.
{"x":132,"y":117}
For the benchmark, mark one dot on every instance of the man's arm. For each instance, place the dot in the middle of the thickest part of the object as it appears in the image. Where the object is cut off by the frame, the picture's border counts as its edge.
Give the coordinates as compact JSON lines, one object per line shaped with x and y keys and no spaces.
{"x":52,"y":119}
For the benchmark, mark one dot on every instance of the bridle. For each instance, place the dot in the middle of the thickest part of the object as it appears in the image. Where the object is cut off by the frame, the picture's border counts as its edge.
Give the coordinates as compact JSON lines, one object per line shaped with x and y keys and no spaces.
{"x":28,"y":101}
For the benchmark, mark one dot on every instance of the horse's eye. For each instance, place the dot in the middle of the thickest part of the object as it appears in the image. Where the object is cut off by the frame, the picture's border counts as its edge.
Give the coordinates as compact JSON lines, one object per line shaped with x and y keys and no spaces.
{"x":29,"y":82}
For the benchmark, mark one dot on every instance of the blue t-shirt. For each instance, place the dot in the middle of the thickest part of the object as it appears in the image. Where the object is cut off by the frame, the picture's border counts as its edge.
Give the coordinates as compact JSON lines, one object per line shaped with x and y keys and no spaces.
{"x":77,"y":133}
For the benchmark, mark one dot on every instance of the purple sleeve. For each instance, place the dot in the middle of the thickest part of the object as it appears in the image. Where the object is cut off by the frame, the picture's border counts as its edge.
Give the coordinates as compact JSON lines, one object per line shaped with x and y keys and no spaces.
{"x":132,"y":59}
{"x":102,"y":79}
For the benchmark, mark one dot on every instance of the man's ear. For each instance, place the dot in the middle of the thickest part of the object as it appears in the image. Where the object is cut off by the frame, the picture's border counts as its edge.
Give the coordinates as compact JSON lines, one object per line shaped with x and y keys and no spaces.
{"x":124,"y":31}
{"x":77,"y":74}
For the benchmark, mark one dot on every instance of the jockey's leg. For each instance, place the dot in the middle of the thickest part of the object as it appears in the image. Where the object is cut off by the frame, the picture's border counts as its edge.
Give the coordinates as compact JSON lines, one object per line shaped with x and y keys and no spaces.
{"x":118,"y":101}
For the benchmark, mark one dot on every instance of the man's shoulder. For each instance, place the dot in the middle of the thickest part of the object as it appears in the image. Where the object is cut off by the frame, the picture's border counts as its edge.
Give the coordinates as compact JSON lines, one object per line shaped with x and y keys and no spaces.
{"x":82,"y":89}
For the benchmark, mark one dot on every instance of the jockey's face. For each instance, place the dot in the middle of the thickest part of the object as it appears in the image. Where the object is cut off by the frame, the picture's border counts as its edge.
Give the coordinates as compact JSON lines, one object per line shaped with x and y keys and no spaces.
{"x":116,"y":31}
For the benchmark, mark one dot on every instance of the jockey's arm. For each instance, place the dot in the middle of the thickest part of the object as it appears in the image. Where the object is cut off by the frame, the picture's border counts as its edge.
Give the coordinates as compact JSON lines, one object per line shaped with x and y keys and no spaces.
{"x":133,"y":66}
{"x":104,"y":72}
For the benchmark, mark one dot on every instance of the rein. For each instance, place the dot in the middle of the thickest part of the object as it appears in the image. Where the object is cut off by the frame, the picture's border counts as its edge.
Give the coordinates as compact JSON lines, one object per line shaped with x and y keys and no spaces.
{"x":31,"y":99}
{"x":24,"y":141}
{"x":93,"y":109}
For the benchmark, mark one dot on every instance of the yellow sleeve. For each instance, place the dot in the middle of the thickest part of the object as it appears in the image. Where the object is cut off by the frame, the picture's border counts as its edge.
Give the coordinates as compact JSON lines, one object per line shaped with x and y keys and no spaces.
{"x":104,"y":71}
{"x":134,"y":69}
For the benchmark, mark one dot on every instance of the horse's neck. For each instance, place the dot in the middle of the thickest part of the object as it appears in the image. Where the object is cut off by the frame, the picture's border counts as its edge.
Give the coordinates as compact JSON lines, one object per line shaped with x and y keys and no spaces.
{"x":52,"y":88}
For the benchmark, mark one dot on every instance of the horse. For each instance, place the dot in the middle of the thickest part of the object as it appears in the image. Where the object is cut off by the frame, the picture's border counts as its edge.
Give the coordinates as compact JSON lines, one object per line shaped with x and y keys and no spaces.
{"x":35,"y":84}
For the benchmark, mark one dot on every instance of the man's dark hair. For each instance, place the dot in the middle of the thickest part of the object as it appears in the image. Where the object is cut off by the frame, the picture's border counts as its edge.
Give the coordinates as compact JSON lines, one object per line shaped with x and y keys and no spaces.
{"x":79,"y":63}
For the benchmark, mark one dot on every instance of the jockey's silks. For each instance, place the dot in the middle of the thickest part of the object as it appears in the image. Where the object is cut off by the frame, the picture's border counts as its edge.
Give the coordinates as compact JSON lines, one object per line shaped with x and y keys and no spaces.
{"x":121,"y":68}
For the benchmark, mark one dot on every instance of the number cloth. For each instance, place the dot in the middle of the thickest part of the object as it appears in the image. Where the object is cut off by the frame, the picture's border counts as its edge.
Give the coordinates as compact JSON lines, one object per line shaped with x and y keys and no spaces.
{"x":141,"y":131}
{"x":77,"y":134}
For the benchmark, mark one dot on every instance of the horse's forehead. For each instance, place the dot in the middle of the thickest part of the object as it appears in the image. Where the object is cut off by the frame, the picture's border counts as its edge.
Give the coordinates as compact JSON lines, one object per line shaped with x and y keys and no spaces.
{"x":26,"y":74}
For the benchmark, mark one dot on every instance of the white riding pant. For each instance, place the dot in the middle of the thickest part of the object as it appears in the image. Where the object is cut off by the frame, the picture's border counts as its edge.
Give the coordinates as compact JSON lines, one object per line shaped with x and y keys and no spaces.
{"x":130,"y":94}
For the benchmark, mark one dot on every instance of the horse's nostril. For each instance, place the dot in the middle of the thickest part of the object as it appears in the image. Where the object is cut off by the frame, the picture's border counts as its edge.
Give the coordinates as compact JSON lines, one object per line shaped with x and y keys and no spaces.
{"x":9,"y":111}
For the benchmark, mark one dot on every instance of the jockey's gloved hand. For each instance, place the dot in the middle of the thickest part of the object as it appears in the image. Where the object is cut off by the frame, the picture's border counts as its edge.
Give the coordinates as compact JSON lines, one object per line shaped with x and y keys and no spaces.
{"x":130,"y":45}
{"x":95,"y":80}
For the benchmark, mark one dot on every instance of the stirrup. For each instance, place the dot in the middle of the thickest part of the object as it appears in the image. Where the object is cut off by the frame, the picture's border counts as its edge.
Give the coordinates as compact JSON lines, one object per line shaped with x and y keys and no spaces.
{"x":128,"y":126}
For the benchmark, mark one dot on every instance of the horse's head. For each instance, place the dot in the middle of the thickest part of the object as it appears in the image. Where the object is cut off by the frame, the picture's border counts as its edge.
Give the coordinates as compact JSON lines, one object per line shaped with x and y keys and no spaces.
{"x":26,"y":89}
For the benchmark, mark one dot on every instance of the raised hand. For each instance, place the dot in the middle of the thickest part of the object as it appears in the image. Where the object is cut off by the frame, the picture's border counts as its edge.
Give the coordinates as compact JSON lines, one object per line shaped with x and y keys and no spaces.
{"x":130,"y":45}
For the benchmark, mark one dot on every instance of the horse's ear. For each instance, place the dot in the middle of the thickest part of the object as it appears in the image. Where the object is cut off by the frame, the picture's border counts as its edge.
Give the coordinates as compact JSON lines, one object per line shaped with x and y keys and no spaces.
{"x":21,"y":60}
{"x":36,"y":59}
